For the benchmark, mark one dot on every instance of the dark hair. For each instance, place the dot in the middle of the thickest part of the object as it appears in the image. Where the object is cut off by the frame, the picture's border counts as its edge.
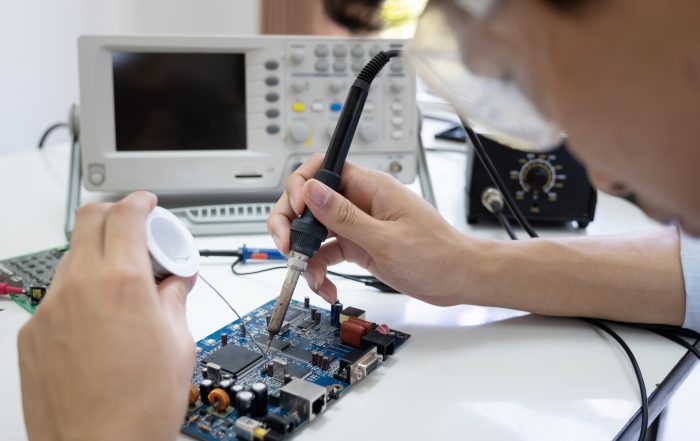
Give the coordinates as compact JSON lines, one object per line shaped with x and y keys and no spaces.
{"x":356,"y":15}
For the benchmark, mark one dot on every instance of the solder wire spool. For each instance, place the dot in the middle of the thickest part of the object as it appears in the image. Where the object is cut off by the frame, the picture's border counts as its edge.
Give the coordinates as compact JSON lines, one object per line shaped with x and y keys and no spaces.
{"x":171,"y":246}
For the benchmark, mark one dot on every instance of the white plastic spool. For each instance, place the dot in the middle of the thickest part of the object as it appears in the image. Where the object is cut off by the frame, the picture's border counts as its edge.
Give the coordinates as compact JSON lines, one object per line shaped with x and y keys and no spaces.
{"x":171,"y":245}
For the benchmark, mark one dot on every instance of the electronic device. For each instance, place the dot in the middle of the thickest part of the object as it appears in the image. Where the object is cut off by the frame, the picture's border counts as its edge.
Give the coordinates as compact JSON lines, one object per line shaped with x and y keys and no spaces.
{"x":239,"y":394}
{"x":550,"y":187}
{"x":232,"y":114}
{"x":33,"y":273}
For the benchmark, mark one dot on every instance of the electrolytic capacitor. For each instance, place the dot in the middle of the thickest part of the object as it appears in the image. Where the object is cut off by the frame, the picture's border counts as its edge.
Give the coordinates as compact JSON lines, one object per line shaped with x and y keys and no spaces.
{"x":337,"y":311}
{"x":244,"y":402}
{"x":235,"y":390}
{"x":287,"y":378}
{"x":205,"y":388}
{"x":243,"y":328}
{"x":314,"y":358}
{"x":261,"y":399}
{"x":313,"y":313}
{"x":205,"y":372}
{"x":307,"y":302}
{"x":224,"y":340}
{"x":226,"y":386}
{"x":270,"y":369}
{"x":325,"y":363}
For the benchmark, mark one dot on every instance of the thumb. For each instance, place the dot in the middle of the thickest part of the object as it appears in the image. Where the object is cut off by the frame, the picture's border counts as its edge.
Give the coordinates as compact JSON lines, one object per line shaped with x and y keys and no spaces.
{"x":173,"y":297}
{"x":340,"y":215}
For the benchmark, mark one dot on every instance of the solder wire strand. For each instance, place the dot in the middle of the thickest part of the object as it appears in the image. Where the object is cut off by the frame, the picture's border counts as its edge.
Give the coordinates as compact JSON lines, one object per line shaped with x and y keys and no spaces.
{"x":243,"y":325}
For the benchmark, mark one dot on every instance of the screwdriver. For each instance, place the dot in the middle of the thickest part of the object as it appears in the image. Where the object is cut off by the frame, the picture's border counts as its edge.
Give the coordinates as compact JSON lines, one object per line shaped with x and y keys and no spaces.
{"x":307,"y":233}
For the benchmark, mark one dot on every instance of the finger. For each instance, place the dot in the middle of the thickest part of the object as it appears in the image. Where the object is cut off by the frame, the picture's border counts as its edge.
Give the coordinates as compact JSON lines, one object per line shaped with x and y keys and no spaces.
{"x":329,"y":254}
{"x":87,"y":237}
{"x":125,"y":229}
{"x":328,"y":291}
{"x":278,"y":223}
{"x":173,"y":293}
{"x":341,"y":216}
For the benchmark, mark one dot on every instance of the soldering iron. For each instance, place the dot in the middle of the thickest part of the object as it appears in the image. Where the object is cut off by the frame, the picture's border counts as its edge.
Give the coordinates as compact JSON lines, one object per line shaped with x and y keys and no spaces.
{"x":307,"y":233}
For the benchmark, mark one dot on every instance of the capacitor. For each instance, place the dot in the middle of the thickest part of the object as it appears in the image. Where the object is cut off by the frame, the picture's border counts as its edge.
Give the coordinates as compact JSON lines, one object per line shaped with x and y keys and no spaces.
{"x":270,"y":369}
{"x":261,"y":399}
{"x":325,"y":363}
{"x":219,"y":399}
{"x":307,"y":302}
{"x":338,"y":309}
{"x":235,"y":390}
{"x":194,"y":394}
{"x":243,"y":328}
{"x":224,"y":340}
{"x":287,"y":378}
{"x":313,"y":313}
{"x":317,"y":317}
{"x":314,"y":358}
{"x":205,"y":387}
{"x":205,"y":372}
{"x":226,"y":386}
{"x":244,"y":402}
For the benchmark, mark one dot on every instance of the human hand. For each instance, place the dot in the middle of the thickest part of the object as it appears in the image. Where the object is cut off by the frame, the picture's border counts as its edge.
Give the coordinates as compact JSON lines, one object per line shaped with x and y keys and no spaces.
{"x":108,"y":354}
{"x":381,"y":226}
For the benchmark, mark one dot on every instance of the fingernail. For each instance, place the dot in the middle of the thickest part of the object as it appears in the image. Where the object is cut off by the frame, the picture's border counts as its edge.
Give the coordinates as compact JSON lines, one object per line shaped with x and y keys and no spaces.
{"x":319,"y":194}
{"x":293,"y":203}
{"x":276,"y":238}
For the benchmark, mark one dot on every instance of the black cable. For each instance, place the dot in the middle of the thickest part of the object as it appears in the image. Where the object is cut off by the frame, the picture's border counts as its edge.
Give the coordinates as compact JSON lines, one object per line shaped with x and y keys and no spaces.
{"x":498,"y":182}
{"x":48,"y":131}
{"x":637,"y":372}
{"x":674,"y":338}
{"x":445,"y":150}
{"x":505,"y":223}
{"x":247,"y":273}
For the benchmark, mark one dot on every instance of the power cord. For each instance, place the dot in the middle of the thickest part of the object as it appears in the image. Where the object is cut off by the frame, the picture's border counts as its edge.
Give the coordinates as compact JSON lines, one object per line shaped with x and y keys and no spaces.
{"x":48,"y":131}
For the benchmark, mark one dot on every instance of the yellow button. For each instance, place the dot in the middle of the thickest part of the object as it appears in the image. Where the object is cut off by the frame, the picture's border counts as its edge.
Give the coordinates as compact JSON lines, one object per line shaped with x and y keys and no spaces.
{"x":298,"y":107}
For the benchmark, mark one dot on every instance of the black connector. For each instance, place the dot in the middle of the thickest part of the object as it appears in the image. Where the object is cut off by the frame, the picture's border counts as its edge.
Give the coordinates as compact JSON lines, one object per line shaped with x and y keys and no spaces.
{"x":385,"y":343}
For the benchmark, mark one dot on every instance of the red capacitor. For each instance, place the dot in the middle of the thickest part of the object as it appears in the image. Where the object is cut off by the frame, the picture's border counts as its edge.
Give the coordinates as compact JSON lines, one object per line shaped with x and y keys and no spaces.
{"x":351,"y":333}
{"x":367,"y":326}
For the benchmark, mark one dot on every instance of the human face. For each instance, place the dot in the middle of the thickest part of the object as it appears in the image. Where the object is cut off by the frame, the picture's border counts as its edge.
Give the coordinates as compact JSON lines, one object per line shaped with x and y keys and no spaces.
{"x":622,"y":78}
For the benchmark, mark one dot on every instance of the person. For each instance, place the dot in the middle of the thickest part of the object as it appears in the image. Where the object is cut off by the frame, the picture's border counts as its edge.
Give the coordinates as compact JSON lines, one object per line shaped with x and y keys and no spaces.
{"x":108,"y":354}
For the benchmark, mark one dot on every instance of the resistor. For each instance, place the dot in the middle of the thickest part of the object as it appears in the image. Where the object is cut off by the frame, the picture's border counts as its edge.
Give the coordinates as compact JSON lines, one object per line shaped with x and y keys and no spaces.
{"x":219,"y":399}
{"x":383,"y":329}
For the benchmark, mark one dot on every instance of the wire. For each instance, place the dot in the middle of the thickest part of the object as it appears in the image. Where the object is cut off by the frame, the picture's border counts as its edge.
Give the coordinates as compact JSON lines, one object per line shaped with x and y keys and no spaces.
{"x":240,"y":319}
{"x":496,"y":178}
{"x":674,"y":338}
{"x":247,"y":273}
{"x":48,"y":131}
{"x":505,"y":223}
{"x":445,"y":150}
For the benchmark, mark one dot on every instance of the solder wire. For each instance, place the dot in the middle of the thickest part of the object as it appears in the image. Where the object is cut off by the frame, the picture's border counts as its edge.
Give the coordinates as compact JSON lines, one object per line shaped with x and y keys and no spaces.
{"x":243,"y":325}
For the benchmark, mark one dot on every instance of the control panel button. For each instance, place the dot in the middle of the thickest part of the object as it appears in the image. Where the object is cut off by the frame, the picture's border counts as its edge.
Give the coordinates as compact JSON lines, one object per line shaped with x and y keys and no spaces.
{"x":357,"y":66}
{"x":395,"y":167}
{"x":298,"y":132}
{"x":297,"y":56}
{"x":369,"y":107}
{"x":340,"y":50}
{"x":298,"y":107}
{"x":97,"y":178}
{"x":336,"y":86}
{"x":322,"y":66}
{"x":357,"y":51}
{"x":369,"y":131}
{"x":396,"y":120}
{"x":374,"y":50}
{"x":396,"y":65}
{"x":272,"y":81}
{"x":336,"y":106}
{"x":272,"y":113}
{"x":272,"y":129}
{"x":396,"y":86}
{"x":317,"y":106}
{"x":396,"y":106}
{"x":340,"y":66}
{"x":396,"y":134}
{"x":298,"y":85}
{"x":321,"y":50}
{"x":271,"y":64}
{"x":272,"y":97}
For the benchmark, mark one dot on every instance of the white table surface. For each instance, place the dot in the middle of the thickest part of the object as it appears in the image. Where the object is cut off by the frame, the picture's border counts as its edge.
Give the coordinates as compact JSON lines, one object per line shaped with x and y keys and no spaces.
{"x":467,"y":372}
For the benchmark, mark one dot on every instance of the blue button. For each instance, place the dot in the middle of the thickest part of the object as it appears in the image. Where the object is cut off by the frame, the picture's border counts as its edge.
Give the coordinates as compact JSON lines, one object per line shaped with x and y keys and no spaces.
{"x":335,"y":107}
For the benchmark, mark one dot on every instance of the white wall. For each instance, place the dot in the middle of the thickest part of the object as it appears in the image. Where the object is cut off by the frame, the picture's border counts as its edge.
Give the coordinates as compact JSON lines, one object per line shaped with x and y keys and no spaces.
{"x":38,"y":50}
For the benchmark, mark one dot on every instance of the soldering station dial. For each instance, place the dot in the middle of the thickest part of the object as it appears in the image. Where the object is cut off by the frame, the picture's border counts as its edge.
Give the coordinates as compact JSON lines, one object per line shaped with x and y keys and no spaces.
{"x":540,"y":178}
{"x":537,"y":175}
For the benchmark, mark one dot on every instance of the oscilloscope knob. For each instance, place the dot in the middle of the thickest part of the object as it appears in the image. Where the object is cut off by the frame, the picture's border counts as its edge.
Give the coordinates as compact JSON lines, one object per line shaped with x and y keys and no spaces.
{"x":298,"y":132}
{"x":368,"y":131}
{"x":297,"y":56}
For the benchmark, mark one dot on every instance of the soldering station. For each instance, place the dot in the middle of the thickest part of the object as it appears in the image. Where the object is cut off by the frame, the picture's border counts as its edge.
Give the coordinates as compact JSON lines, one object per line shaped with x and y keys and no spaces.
{"x":215,"y":125}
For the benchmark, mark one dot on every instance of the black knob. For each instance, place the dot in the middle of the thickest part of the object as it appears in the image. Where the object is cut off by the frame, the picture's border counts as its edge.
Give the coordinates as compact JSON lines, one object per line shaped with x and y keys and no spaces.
{"x":537,"y":177}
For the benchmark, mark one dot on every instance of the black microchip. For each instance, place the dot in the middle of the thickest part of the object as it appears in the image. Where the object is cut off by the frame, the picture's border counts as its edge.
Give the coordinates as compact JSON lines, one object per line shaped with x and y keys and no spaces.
{"x":298,"y":353}
{"x":293,"y":313}
{"x":277,"y":343}
{"x":306,"y":324}
{"x":297,"y":371}
{"x":209,"y":418}
{"x":233,"y":359}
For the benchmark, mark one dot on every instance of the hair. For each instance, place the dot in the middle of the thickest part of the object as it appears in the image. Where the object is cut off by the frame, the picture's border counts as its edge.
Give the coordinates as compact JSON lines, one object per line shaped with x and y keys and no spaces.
{"x":356,"y":15}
